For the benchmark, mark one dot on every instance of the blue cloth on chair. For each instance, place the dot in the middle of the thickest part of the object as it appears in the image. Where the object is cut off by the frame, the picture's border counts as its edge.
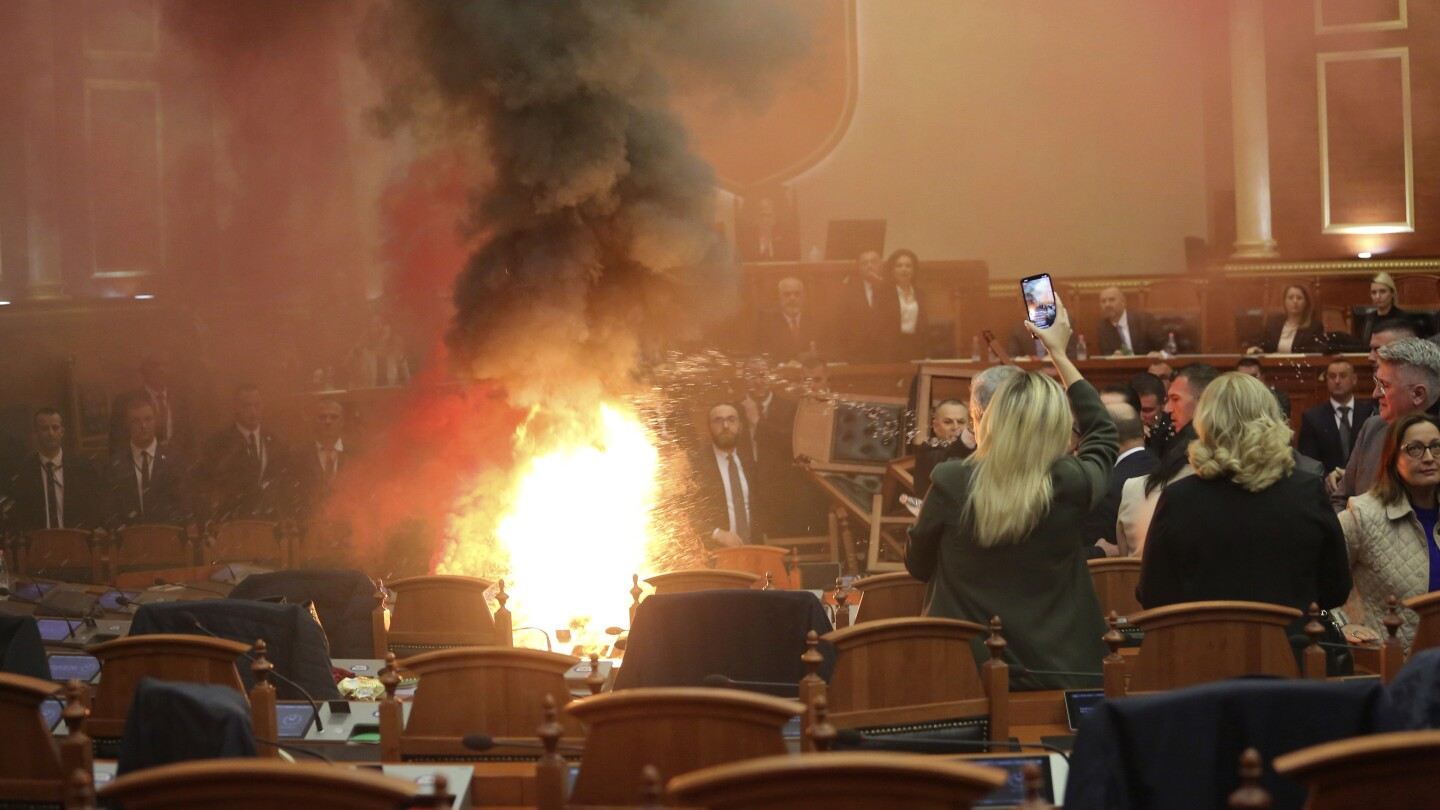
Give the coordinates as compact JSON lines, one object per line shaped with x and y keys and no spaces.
{"x":294,"y":640}
{"x":344,"y":601}
{"x":747,"y":635}
{"x":1413,"y":698}
{"x":22,"y":652}
{"x":170,"y":722}
{"x":1181,"y":750}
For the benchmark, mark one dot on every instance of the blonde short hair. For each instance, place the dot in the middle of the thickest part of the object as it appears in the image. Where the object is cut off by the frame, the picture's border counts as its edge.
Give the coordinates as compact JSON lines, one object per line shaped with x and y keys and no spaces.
{"x":1241,"y":434}
{"x":1388,"y":281}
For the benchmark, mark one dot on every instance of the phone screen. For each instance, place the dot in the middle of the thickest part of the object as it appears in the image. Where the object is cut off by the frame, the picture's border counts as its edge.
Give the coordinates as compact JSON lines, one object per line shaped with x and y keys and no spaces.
{"x":1039,"y":299}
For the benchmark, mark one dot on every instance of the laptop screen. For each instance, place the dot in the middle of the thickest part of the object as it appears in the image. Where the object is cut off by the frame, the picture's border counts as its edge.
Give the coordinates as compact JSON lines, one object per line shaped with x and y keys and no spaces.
{"x":293,"y":719}
{"x":56,"y":629}
{"x":1080,"y":702}
{"x":1013,"y":791}
{"x":64,"y":666}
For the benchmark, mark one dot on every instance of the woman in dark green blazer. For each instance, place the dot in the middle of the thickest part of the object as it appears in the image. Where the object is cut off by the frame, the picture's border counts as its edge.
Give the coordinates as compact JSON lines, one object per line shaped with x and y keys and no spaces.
{"x":1000,"y":533}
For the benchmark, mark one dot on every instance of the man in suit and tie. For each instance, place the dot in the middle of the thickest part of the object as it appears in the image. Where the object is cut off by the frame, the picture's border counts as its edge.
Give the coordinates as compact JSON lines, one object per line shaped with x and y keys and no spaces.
{"x":246,"y":469}
{"x":322,"y":461}
{"x":724,"y":511}
{"x":1126,"y":331}
{"x":53,"y":489}
{"x":870,"y":308}
{"x":147,"y":480}
{"x":172,"y":409}
{"x":950,"y":438}
{"x":789,"y":333}
{"x":1327,"y":431}
{"x":1134,"y":461}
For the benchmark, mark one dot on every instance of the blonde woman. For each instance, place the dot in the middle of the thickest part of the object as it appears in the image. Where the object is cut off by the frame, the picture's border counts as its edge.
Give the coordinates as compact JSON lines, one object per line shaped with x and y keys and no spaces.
{"x":1000,"y":532}
{"x":1247,"y":525}
{"x":1387,"y":307}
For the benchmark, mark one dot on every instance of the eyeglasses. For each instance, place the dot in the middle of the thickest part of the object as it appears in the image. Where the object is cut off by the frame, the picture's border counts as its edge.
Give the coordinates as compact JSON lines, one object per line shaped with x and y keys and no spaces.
{"x":725,"y":420}
{"x":1380,"y":386}
{"x":1417,"y":450}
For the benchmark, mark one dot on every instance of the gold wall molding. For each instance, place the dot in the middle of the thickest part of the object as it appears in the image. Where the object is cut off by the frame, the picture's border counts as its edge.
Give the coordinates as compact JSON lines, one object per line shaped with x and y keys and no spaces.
{"x":1328,"y":225}
{"x":1401,"y":20}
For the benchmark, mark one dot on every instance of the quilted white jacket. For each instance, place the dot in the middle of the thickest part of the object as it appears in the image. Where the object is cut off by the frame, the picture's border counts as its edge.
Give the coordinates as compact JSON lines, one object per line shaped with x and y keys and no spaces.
{"x":1388,"y":555}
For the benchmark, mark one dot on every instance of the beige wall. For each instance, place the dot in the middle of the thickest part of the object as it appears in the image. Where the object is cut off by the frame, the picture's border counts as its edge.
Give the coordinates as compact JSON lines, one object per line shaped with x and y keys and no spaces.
{"x":1039,"y":135}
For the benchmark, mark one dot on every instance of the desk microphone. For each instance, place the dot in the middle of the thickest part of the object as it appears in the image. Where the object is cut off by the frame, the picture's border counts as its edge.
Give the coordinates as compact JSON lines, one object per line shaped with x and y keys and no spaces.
{"x":718,"y":681}
{"x":166,"y":583}
{"x":6,"y":592}
{"x":233,"y":579}
{"x":852,"y":738}
{"x":274,"y":673}
{"x":1021,"y":669}
{"x":484,"y":742}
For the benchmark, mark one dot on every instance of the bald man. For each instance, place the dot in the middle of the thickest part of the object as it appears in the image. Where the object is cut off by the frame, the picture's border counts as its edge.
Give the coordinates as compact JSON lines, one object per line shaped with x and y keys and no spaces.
{"x":1134,"y":461}
{"x":789,"y":332}
{"x":1126,"y":331}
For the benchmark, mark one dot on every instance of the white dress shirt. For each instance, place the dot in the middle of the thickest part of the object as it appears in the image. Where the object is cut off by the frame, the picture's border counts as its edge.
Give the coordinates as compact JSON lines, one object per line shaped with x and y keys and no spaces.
{"x":1122,"y":326}
{"x":1336,"y":405}
{"x":722,"y":460}
{"x":137,"y":457}
{"x":321,"y":451}
{"x":259,"y":444}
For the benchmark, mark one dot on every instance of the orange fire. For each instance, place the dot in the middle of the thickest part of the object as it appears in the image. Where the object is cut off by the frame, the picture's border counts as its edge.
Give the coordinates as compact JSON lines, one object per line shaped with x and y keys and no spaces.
{"x":565,"y":529}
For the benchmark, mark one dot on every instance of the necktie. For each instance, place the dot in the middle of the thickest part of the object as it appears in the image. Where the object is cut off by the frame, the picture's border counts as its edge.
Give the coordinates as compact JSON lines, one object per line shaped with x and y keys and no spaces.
{"x":795,"y":327}
{"x":52,"y":507}
{"x":332,"y":462}
{"x":1345,"y":432}
{"x":162,"y":419}
{"x":257,"y":468}
{"x":737,"y":497}
{"x":145,"y":471}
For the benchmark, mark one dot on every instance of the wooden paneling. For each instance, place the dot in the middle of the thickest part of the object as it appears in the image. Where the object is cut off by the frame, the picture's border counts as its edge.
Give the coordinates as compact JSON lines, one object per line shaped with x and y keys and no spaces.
{"x":1365,"y":151}
{"x":123,"y":155}
{"x":1350,"y":16}
{"x":120,"y":28}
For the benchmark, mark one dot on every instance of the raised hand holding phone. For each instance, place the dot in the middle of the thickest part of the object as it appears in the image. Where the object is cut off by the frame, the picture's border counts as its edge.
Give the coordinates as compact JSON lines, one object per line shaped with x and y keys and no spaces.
{"x":1056,"y":338}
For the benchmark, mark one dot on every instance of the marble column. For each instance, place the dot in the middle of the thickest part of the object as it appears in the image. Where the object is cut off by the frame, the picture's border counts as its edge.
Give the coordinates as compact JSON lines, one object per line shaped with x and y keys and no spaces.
{"x":39,"y":135}
{"x":1253,"y":235}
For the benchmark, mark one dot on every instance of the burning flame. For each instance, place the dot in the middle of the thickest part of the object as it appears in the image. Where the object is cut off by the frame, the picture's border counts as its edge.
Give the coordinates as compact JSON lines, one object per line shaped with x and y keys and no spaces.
{"x":572,"y":525}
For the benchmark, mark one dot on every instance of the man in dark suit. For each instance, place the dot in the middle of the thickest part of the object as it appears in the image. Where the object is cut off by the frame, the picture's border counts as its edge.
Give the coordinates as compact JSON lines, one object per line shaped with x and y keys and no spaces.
{"x":147,"y":481}
{"x":771,"y":231}
{"x":174,"y":425}
{"x":724,"y":512}
{"x":1327,"y":431}
{"x":246,"y":469}
{"x":319,"y":463}
{"x":53,"y":489}
{"x":950,"y":438}
{"x":1134,"y":461}
{"x":787,"y":334}
{"x":870,"y":312}
{"x":1126,"y":331}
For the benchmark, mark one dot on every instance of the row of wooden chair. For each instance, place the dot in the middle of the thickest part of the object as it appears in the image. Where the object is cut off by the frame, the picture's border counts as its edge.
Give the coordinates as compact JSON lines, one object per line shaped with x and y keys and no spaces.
{"x":103,"y":557}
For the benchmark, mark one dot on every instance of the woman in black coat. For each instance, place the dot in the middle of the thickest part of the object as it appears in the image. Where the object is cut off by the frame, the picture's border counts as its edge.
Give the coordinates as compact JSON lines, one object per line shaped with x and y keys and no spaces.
{"x":1295,"y":330}
{"x":1247,"y":526}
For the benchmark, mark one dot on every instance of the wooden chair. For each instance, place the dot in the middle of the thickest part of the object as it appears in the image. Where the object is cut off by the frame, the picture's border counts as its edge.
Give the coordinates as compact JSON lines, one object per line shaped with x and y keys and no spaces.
{"x":1427,"y":631}
{"x":759,"y":560}
{"x":1115,"y":579}
{"x":675,"y":730}
{"x":840,"y":781}
{"x":701,"y":579}
{"x":257,"y":784}
{"x":440,"y":612}
{"x":124,"y":661}
{"x":1395,"y":771}
{"x":1199,"y":642}
{"x":868,"y":689}
{"x":813,"y":548}
{"x":496,"y":690}
{"x":248,"y":541}
{"x":56,"y":550}
{"x":889,"y":596}
{"x":35,"y":763}
{"x":150,"y":546}
{"x":1418,"y":289}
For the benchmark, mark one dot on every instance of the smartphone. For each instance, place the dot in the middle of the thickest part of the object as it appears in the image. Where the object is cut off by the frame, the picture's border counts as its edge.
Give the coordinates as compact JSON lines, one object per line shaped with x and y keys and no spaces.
{"x":1039,"y":296}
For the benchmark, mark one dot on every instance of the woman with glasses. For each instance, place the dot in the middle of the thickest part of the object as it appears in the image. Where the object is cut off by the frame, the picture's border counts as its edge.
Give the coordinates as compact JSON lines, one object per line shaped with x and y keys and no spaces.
{"x":1390,"y":530}
{"x":1247,"y":525}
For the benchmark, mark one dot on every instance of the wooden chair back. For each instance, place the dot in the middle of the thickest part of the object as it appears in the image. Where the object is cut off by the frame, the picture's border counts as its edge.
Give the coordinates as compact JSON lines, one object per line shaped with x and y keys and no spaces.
{"x":249,"y":541}
{"x":31,"y":768}
{"x":866,"y":691}
{"x":257,"y":784}
{"x":1199,"y":642}
{"x":839,"y":781}
{"x":759,"y":560}
{"x":151,"y":546}
{"x":1395,"y":770}
{"x":889,"y":596}
{"x":436,"y":613}
{"x":1115,"y":579}
{"x":1418,"y":290}
{"x":323,"y":544}
{"x":1427,"y":631}
{"x":1173,"y":295}
{"x":675,"y":730}
{"x":169,"y":657}
{"x":51,"y":549}
{"x":813,"y":548}
{"x":701,"y":579}
{"x":495,"y":690}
